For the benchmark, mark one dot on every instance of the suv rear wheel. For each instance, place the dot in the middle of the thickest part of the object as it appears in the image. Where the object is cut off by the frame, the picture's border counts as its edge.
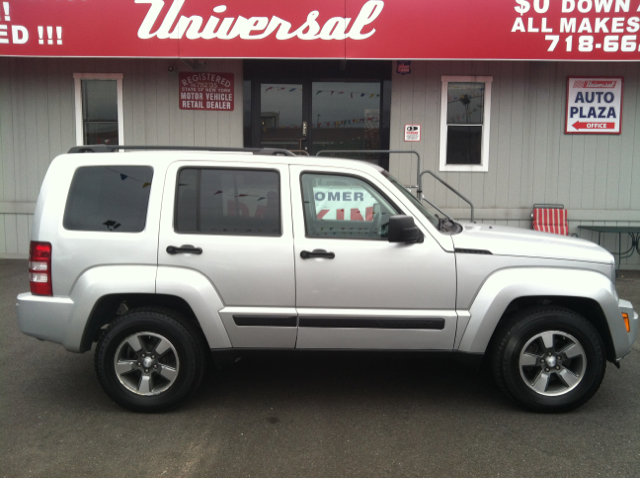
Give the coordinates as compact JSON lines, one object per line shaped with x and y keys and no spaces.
{"x":549,"y":359}
{"x":149,"y":361}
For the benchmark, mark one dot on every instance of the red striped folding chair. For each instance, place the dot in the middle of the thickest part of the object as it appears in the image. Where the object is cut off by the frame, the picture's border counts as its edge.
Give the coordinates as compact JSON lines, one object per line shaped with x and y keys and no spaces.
{"x":550,"y":219}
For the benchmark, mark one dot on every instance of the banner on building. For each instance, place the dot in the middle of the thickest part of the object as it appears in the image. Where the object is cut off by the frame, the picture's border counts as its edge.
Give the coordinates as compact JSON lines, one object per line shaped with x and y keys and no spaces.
{"x":594,"y":105}
{"x":587,"y":30}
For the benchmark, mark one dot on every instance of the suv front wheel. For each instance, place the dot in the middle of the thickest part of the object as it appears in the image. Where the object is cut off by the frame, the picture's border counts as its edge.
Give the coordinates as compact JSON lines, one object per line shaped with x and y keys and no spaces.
{"x":149,"y":361}
{"x":549,"y":359}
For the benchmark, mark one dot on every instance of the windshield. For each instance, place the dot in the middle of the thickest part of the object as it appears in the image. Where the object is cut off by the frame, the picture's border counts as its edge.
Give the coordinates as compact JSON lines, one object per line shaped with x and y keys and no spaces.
{"x":427,"y":214}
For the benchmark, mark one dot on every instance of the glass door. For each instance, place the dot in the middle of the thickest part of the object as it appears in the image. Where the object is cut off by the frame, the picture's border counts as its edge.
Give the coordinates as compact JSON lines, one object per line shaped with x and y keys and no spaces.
{"x":309,"y":116}
{"x":345,"y":116}
{"x":283,"y":122}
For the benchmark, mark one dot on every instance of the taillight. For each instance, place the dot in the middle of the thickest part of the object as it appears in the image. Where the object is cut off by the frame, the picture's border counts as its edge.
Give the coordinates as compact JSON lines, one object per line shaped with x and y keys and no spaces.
{"x":40,"y":268}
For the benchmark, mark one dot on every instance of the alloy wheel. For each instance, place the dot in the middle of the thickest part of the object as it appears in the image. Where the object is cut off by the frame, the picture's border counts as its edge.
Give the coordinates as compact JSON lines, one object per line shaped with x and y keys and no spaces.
{"x":552,"y":363}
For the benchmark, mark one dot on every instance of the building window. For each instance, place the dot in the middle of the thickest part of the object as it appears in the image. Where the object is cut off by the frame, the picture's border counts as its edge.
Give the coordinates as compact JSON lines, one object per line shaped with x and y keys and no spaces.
{"x":464,"y":123}
{"x":98,"y":108}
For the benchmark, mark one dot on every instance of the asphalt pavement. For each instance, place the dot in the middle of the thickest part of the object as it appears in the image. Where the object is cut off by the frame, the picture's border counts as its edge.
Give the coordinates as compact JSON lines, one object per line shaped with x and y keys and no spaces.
{"x":304,"y":414}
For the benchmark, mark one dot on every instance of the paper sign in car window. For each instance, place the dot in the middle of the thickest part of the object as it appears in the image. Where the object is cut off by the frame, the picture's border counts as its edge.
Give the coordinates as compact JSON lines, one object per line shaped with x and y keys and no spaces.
{"x":344,"y":203}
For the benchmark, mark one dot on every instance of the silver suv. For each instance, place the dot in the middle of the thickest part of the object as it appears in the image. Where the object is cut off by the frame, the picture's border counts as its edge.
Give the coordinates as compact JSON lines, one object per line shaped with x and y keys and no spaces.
{"x":163,"y":256}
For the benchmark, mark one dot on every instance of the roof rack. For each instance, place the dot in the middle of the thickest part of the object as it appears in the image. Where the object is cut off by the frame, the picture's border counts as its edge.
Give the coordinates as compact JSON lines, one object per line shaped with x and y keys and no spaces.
{"x":113,"y":148}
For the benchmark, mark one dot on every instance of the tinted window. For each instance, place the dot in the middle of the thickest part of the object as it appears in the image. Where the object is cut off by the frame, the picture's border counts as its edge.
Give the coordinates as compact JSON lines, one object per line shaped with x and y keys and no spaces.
{"x":346,"y":111}
{"x":108,"y":198}
{"x":100,"y":111}
{"x":228,"y":202}
{"x":344,"y":207}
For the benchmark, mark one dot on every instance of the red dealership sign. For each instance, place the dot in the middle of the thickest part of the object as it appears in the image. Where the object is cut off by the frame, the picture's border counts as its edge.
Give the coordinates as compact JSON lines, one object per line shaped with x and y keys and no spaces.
{"x":594,"y":30}
{"x":206,"y":91}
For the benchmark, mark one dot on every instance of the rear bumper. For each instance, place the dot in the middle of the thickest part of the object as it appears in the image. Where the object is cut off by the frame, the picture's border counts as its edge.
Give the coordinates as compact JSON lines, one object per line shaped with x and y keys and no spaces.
{"x":44,"y":317}
{"x":627,"y":307}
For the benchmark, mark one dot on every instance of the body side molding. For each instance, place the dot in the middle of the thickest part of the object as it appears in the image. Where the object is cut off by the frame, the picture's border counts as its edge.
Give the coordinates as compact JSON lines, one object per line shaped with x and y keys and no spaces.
{"x":371,"y":322}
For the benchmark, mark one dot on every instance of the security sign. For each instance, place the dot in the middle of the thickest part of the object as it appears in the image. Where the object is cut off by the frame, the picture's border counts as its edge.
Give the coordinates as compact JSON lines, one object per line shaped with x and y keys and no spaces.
{"x":594,"y":105}
{"x":411,"y":132}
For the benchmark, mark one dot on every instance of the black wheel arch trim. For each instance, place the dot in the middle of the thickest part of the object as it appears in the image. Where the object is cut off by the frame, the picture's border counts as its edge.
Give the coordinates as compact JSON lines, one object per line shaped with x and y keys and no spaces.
{"x":105,"y":310}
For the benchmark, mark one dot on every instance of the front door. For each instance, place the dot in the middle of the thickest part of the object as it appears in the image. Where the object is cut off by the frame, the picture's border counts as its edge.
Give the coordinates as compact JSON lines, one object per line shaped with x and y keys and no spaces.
{"x":283,"y":117}
{"x":354,"y":289}
{"x":346,"y":116}
{"x":308,"y":117}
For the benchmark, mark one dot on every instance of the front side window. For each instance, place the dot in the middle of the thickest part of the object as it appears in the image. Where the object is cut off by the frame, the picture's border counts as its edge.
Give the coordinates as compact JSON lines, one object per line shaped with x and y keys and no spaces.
{"x":223,"y":201}
{"x":108,"y":198}
{"x":98,"y":108}
{"x":464,"y":135}
{"x":407,"y":194}
{"x":338,"y":206}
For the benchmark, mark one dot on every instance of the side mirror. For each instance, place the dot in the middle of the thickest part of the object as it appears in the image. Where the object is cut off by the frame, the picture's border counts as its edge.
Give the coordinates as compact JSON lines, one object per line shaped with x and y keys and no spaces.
{"x":402,"y":229}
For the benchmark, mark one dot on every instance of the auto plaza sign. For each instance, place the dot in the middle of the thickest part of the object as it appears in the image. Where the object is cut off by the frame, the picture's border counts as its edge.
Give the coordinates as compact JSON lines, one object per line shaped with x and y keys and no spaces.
{"x":594,"y":105}
{"x":593,"y":30}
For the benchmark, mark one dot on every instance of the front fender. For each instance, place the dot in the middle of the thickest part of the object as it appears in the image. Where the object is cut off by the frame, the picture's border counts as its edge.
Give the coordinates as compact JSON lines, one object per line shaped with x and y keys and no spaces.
{"x":505,"y":286}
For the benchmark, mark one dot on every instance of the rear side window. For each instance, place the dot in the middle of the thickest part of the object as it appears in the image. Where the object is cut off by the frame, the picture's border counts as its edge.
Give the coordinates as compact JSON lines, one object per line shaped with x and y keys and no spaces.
{"x":108,"y":198}
{"x":223,"y":201}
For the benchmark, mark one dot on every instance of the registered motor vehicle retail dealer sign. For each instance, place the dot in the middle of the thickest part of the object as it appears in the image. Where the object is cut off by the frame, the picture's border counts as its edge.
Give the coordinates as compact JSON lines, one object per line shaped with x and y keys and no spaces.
{"x":206,"y":91}
{"x":594,"y":105}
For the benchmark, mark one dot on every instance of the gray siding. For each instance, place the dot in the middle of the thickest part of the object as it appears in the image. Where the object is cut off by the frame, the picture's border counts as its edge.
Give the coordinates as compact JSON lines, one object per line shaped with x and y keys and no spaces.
{"x":531,"y":160}
{"x":37,"y":122}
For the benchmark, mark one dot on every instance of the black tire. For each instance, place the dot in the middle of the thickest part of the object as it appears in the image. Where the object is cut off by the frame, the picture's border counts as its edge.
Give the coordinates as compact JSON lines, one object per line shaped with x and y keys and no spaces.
{"x":166,"y":364}
{"x":526,"y":371}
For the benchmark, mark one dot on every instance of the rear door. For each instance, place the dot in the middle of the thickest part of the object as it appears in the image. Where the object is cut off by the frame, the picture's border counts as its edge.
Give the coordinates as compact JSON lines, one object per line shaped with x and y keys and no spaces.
{"x":354,"y":289}
{"x":231,"y":221}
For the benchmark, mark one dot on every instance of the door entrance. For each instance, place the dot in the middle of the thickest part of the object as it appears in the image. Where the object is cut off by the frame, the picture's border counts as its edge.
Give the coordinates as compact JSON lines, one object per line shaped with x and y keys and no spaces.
{"x":312,"y":105}
{"x":313,"y":116}
{"x":345,"y":116}
{"x":283,"y":117}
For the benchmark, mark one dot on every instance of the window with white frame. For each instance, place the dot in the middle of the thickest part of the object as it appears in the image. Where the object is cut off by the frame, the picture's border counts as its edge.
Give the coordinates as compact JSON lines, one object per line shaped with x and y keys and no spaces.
{"x":464,"y":123}
{"x":98,"y":108}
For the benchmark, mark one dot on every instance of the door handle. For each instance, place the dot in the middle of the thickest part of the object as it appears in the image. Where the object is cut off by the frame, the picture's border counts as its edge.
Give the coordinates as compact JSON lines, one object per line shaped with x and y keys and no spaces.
{"x":185,"y":248}
{"x":317,"y":253}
